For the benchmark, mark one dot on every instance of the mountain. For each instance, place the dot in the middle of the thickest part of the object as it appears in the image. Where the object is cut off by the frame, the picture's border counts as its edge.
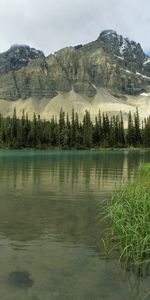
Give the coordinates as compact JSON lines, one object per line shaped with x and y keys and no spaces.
{"x":17,"y":57}
{"x":111,"y":73}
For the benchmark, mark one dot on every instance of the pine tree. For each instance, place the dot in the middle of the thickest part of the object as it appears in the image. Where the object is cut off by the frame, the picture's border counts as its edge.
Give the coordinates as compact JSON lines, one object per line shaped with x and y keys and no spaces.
{"x":87,"y":130}
{"x":73,"y":128}
{"x":146,"y":133}
{"x":62,"y":129}
{"x":14,"y":130}
{"x":130,"y":131}
{"x":33,"y":134}
{"x":137,"y":128}
{"x":97,"y":130}
{"x":108,"y":132}
{"x":105,"y":130}
{"x":121,"y":131}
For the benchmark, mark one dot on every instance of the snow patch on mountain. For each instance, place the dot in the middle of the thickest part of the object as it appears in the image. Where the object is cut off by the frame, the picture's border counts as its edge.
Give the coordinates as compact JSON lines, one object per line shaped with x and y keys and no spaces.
{"x":123,"y":47}
{"x":145,"y":94}
{"x":143,"y":76}
{"x":119,"y":57}
{"x":147,"y":61}
{"x":128,"y":71}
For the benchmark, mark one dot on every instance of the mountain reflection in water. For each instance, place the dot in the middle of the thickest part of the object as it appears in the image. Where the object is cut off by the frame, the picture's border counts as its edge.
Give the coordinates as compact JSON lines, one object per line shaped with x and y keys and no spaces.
{"x":49,"y":205}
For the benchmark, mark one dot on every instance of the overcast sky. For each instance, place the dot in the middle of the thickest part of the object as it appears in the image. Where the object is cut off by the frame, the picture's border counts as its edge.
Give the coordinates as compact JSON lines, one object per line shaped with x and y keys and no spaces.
{"x":53,"y":24}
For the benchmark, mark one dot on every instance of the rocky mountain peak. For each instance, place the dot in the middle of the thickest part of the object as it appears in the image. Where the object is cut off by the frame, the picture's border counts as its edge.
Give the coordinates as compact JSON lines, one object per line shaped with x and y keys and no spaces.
{"x":109,"y":33}
{"x":122,"y":47}
{"x":17,"y":57}
{"x":111,"y":62}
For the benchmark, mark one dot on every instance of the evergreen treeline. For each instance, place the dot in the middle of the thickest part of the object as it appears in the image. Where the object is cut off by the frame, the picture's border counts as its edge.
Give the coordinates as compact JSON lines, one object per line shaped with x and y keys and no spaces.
{"x":68,"y":133}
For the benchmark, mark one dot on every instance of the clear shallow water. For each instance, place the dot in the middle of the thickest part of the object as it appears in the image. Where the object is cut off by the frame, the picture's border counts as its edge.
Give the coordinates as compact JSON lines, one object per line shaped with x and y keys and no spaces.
{"x":49,"y":204}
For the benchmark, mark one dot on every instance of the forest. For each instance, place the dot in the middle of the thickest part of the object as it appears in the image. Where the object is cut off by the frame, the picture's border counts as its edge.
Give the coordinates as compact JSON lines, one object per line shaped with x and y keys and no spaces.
{"x":69,"y":133}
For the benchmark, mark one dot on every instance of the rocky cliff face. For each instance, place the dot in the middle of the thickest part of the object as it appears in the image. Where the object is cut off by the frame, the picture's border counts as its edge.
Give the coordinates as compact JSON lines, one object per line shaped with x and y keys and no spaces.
{"x":17,"y":57}
{"x":111,"y":62}
{"x":146,"y":66}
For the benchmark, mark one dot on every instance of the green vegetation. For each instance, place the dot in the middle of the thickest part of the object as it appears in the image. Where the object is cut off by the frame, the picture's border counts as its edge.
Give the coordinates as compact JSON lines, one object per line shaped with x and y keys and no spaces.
{"x":70,"y":133}
{"x":129,"y":213}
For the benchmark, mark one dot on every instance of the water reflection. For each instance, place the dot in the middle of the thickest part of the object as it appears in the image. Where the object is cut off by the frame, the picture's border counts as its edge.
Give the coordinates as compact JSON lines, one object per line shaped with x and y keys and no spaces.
{"x":48,"y":223}
{"x":58,"y":194}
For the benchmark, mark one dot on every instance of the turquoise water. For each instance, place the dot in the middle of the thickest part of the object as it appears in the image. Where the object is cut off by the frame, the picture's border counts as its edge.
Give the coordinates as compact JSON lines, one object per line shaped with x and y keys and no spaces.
{"x":49,"y":229}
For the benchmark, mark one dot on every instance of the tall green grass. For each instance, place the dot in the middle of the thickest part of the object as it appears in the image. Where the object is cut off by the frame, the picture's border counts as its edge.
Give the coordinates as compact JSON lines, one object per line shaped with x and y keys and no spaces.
{"x":129,"y":214}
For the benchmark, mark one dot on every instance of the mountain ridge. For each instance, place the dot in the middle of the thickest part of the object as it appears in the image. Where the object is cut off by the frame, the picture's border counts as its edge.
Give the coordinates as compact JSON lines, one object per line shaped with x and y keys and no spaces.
{"x":111,"y":62}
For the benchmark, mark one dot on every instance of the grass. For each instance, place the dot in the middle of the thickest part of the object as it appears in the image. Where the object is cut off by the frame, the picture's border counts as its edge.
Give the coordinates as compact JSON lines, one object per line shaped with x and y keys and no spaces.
{"x":129,"y":214}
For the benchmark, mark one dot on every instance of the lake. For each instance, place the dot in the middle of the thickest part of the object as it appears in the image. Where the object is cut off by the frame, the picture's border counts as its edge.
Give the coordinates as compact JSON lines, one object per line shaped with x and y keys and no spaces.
{"x":50,"y":234}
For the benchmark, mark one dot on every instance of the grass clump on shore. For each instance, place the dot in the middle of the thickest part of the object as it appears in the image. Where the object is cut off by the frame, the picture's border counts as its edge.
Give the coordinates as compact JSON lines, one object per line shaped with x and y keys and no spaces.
{"x":129,"y":213}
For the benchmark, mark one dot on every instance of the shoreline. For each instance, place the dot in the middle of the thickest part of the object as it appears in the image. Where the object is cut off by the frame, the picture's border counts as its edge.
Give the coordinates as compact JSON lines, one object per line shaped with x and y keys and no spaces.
{"x":77,"y":149}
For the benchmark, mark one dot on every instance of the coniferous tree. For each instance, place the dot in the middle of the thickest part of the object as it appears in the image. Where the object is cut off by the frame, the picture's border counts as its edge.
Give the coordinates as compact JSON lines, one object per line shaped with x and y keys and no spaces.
{"x":130,"y":131}
{"x":97,"y":130}
{"x":87,"y":130}
{"x":146,"y":133}
{"x":14,"y":130}
{"x":73,"y":128}
{"x":137,"y":128}
{"x":21,"y":132}
{"x":121,"y":131}
{"x":62,"y":132}
{"x":105,"y":131}
{"x":33,"y":136}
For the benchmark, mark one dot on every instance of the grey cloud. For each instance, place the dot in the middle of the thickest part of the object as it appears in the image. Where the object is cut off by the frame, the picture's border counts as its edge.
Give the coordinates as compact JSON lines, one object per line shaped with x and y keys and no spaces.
{"x":50,"y":25}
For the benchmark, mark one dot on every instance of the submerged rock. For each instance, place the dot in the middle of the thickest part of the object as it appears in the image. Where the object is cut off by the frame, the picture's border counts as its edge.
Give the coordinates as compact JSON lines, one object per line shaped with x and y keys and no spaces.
{"x":20,"y":279}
